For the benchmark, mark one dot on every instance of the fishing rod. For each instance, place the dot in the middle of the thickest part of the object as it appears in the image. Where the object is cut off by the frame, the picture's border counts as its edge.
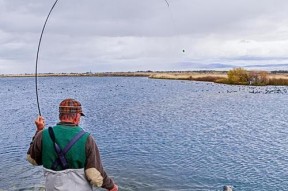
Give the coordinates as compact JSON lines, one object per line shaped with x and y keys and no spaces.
{"x":36,"y":67}
{"x":38,"y":50}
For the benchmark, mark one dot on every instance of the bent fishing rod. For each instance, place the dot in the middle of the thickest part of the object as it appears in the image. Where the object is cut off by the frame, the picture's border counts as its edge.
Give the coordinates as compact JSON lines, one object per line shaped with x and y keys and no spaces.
{"x":37,"y":56}
{"x":38,"y":50}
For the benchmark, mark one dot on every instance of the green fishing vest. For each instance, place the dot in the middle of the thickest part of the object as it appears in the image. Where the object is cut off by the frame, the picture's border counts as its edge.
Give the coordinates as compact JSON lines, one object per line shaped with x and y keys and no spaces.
{"x":76,"y":156}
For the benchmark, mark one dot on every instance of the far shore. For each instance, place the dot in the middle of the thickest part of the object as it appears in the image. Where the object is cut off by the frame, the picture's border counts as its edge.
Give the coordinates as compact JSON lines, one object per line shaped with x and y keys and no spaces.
{"x":210,"y":76}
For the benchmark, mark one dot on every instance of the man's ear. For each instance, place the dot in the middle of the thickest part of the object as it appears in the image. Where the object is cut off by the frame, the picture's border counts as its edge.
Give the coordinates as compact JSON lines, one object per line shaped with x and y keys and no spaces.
{"x":76,"y":120}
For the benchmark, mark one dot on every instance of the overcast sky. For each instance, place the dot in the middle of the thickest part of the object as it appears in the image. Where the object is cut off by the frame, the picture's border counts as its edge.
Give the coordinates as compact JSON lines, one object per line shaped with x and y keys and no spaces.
{"x":133,"y":35}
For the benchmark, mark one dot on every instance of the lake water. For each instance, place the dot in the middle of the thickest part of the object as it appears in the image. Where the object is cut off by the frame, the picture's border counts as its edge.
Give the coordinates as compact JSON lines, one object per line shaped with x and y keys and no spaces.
{"x":160,"y":135}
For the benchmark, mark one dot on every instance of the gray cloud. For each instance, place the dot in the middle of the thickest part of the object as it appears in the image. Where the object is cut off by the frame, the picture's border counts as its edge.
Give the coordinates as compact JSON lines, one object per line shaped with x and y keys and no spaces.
{"x":127,"y":35}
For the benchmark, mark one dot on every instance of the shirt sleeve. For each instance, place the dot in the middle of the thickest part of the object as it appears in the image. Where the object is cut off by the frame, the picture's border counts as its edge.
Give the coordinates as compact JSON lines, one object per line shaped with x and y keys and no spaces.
{"x":94,"y":169}
{"x":34,"y":155}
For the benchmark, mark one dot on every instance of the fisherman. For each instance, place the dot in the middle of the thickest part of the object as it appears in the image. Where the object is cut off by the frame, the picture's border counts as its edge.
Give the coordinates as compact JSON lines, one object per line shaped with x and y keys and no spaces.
{"x":69,"y":155}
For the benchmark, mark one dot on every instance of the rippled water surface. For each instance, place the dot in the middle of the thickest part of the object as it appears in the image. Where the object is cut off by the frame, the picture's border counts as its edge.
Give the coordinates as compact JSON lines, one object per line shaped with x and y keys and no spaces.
{"x":158,"y":135}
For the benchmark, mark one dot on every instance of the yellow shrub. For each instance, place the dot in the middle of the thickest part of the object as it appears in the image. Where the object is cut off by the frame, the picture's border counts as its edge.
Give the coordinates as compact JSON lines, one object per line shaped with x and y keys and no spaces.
{"x":238,"y":76}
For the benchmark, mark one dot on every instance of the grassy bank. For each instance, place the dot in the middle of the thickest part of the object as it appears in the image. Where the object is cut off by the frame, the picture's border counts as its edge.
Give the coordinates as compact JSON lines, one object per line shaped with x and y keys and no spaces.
{"x":195,"y":76}
{"x":280,"y":79}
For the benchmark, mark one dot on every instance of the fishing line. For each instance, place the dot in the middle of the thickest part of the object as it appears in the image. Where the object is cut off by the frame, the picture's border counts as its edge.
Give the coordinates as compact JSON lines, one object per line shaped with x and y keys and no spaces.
{"x":167,"y":3}
{"x":36,"y":67}
{"x":174,"y":27}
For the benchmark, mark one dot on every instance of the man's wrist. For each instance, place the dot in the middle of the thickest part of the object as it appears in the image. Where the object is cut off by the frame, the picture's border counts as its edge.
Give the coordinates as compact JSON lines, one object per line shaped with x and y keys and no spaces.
{"x":39,"y":128}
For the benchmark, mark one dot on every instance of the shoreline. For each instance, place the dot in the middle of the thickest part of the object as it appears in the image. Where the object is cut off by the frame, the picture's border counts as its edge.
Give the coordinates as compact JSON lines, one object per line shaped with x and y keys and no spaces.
{"x":208,"y":76}
{"x":104,"y":74}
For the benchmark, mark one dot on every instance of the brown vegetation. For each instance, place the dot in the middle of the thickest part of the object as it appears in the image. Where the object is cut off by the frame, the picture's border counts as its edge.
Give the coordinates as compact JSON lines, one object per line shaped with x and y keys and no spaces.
{"x":278,"y":81}
{"x":196,"y":76}
{"x":257,"y":78}
{"x":238,"y":76}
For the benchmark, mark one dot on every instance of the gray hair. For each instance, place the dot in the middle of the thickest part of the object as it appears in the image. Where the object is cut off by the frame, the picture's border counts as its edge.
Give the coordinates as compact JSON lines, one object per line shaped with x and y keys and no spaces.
{"x":67,"y":115}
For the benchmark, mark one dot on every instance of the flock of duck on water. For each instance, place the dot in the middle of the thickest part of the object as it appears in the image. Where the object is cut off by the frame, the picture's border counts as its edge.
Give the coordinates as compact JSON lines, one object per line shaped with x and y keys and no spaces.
{"x":250,"y":89}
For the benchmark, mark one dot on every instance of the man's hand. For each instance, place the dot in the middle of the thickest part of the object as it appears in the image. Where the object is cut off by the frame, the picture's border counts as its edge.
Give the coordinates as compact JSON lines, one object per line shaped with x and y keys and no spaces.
{"x":40,"y":123}
{"x":115,"y":188}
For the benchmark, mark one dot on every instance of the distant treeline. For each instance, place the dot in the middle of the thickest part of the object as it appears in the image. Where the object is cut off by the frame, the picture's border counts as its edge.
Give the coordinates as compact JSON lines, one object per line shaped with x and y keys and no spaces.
{"x":279,"y":72}
{"x":184,"y":71}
